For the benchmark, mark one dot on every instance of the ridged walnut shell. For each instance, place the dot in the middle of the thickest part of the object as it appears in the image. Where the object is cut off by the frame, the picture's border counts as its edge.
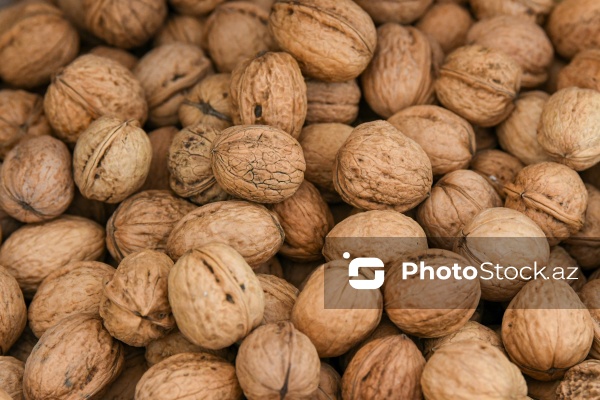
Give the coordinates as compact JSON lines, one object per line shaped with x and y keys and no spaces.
{"x":330,"y":102}
{"x":195,"y":7}
{"x":277,"y":361}
{"x":11,"y":377}
{"x":158,"y":176}
{"x":448,"y":23}
{"x":400,"y":11}
{"x":123,"y":388}
{"x":580,"y":382}
{"x":583,"y":71}
{"x":14,"y":311}
{"x":111,"y":159}
{"x":269,"y":90}
{"x":88,"y":88}
{"x":378,"y":167}
{"x":208,"y":103}
{"x":258,"y":163}
{"x":497,"y":167}
{"x":534,"y":11}
{"x":121,"y":56}
{"x":333,"y":40}
{"x":183,"y":29}
{"x":584,"y":245}
{"x":76,"y":359}
{"x":573,"y":26}
{"x":280,"y":297}
{"x":479,"y":84}
{"x":589,"y":296}
{"x":36,"y":182}
{"x":215,"y":296}
{"x":330,"y":384}
{"x":470,"y":331}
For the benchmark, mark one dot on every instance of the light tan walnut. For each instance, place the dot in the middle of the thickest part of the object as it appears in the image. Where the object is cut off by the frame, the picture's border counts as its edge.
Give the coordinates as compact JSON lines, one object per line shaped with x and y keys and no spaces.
{"x":208,"y":103}
{"x":331,"y":102}
{"x":14,"y":312}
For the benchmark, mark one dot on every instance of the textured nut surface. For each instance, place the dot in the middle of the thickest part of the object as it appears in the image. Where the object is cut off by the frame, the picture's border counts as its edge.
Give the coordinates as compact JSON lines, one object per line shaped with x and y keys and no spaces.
{"x":535,"y":11}
{"x":13,"y":314}
{"x":574,"y":25}
{"x":330,"y":102}
{"x":119,"y":55}
{"x":583,"y":71}
{"x":209,"y":103}
{"x":562,"y":266}
{"x":497,"y":167}
{"x":330,"y":384}
{"x":580,"y":382}
{"x":584,"y":245}
{"x":24,"y":345}
{"x":11,"y":377}
{"x":184,"y":29}
{"x":447,"y":23}
{"x":400,"y":11}
{"x":280,"y":297}
{"x":590,"y":298}
{"x":158,"y":176}
{"x":195,"y":7}
{"x":470,"y":331}
{"x":123,"y":388}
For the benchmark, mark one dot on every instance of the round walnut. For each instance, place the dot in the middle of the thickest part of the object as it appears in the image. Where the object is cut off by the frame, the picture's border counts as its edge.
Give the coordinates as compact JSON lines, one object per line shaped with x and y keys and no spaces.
{"x":464,"y":371}
{"x":562,"y":266}
{"x":119,"y":55}
{"x":158,"y":177}
{"x":280,"y":297}
{"x":330,"y":384}
{"x":448,"y":24}
{"x":330,"y":102}
{"x":21,"y":116}
{"x":92,"y":86}
{"x":333,"y":40}
{"x":278,"y":361}
{"x":195,"y":7}
{"x":75,"y":359}
{"x":31,"y":56}
{"x":589,"y":296}
{"x":479,"y":84}
{"x":258,"y":163}
{"x":13,"y":313}
{"x":73,"y":289}
{"x":583,"y":71}
{"x":36,"y":183}
{"x":568,"y":128}
{"x":584,"y":245}
{"x":111,"y":159}
{"x":400,"y":11}
{"x":544,"y":312}
{"x":195,"y":375}
{"x":36,"y":250}
{"x":448,"y":139}
{"x":385,"y":367}
{"x":183,"y":29}
{"x":269,"y":90}
{"x":11,"y":377}
{"x":400,"y":74}
{"x":574,"y":25}
{"x":534,"y":11}
{"x":378,"y":167}
{"x":271,"y":267}
{"x":134,"y":368}
{"x":208,"y":103}
{"x":580,"y":382}
{"x":552,"y":195}
{"x":470,"y":331}
{"x":144,"y":221}
{"x":231,"y":301}
{"x":497,"y":167}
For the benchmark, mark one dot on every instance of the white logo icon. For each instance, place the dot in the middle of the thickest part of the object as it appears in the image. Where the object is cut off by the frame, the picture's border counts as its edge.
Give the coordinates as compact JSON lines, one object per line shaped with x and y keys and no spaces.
{"x":365,"y":262}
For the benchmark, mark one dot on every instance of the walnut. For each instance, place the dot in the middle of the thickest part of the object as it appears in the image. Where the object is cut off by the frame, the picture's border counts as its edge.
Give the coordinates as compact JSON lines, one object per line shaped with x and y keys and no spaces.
{"x":258,"y":163}
{"x":574,"y":26}
{"x":583,"y":71}
{"x":269,"y":90}
{"x":400,"y":74}
{"x":215,"y":296}
{"x":75,"y":359}
{"x":330,"y":102}
{"x":580,"y":382}
{"x":123,"y":388}
{"x":380,"y":168}
{"x":144,"y":221}
{"x":562,"y":266}
{"x":400,"y":11}
{"x":590,"y":298}
{"x":31,"y":56}
{"x":111,"y":159}
{"x":271,"y":267}
{"x":448,"y":139}
{"x":158,"y":177}
{"x":333,"y":40}
{"x":280,"y":297}
{"x":448,"y":24}
{"x":73,"y":289}
{"x":11,"y":377}
{"x":297,"y":273}
{"x":36,"y":250}
{"x":278,"y":361}
{"x":330,"y":384}
{"x":470,"y":331}
{"x":36,"y":183}
{"x":88,"y":88}
{"x":534,"y":11}
{"x":95,"y":210}
{"x":584,"y":245}
{"x":195,"y":7}
{"x":540,"y":390}
{"x":184,"y":29}
{"x":497,"y":167}
{"x":479,"y":84}
{"x":14,"y":312}
{"x":209,"y":103}
{"x":121,"y":56}
{"x":552,"y":195}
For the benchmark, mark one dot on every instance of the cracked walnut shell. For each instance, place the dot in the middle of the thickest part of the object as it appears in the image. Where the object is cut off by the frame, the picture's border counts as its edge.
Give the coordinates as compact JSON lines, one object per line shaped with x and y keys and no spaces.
{"x":208,"y":103}
{"x":14,"y":312}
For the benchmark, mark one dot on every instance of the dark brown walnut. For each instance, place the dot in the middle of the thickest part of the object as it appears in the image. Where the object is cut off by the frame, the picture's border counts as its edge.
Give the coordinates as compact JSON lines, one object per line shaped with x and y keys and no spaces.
{"x":119,"y":55}
{"x":258,"y":163}
{"x":144,"y":221}
{"x":584,"y":245}
{"x":330,"y":102}
{"x":297,"y":273}
{"x":195,"y":7}
{"x":580,"y":382}
{"x":11,"y":377}
{"x":485,"y":138}
{"x":455,"y":199}
{"x":552,"y":195}
{"x":386,"y":367}
{"x":400,"y":11}
{"x":568,"y":128}
{"x":378,"y":167}
{"x":74,"y":359}
{"x":123,"y":388}
{"x":448,"y":139}
{"x":330,"y":384}
{"x":534,"y":11}
{"x":269,"y":90}
{"x":31,"y":56}
{"x":216,"y":298}
{"x":333,"y":40}
{"x":574,"y":26}
{"x":470,"y":331}
{"x":278,"y":361}
{"x":271,"y":267}
{"x":540,"y":390}
{"x":518,"y":133}
{"x":91,"y":209}
{"x":592,"y":175}
{"x":583,"y":71}
{"x":34,"y":251}
{"x":195,"y":375}
{"x":73,"y":289}
{"x":135,"y":304}
{"x":280,"y":297}
{"x":448,"y":24}
{"x":184,"y":29}
{"x":21,"y":116}
{"x":88,"y":88}
{"x":400,"y":74}
{"x":479,"y":84}
{"x":551,"y":85}
{"x":158,"y":177}
{"x":23,"y":346}
{"x":464,"y":371}
{"x":13,"y":313}
{"x":589,"y":296}
{"x":208,"y":103}
{"x":562,"y":266}
{"x":497,"y":167}
{"x":36,"y":183}
{"x":111,"y":159}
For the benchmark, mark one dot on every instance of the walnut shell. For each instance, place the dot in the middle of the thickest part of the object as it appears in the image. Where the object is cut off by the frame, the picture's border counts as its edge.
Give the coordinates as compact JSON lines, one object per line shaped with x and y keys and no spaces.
{"x":330,"y":384}
{"x":280,"y":297}
{"x":400,"y":11}
{"x":95,"y":210}
{"x":448,"y":139}
{"x":258,"y":163}
{"x":231,"y":301}
{"x":271,"y":267}
{"x":121,"y":56}
{"x":448,"y":24}
{"x":75,"y":359}
{"x":540,"y":390}
{"x":195,"y":7}
{"x":34,"y":251}
{"x":584,"y":245}
{"x":73,"y":289}
{"x":277,"y":361}
{"x":470,"y":331}
{"x":111,"y":159}
{"x":14,"y":312}
{"x":464,"y":371}
{"x":590,"y":298}
{"x":36,"y":183}
{"x":497,"y":167}
{"x":534,"y":11}
{"x":123,"y":388}
{"x":158,"y":178}
{"x":333,"y":40}
{"x":485,"y":138}
{"x":574,"y":26}
{"x":552,"y":195}
{"x":330,"y":102}
{"x":479,"y":84}
{"x":88,"y":88}
{"x":183,"y":29}
{"x":11,"y":377}
{"x":269,"y":90}
{"x":144,"y":221}
{"x":378,"y":167}
{"x":209,"y":103}
{"x":580,"y":382}
{"x":568,"y":128}
{"x":583,"y":71}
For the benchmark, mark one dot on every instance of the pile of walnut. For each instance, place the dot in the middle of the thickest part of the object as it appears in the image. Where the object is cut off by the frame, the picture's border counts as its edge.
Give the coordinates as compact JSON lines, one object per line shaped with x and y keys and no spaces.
{"x":171,"y":170}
